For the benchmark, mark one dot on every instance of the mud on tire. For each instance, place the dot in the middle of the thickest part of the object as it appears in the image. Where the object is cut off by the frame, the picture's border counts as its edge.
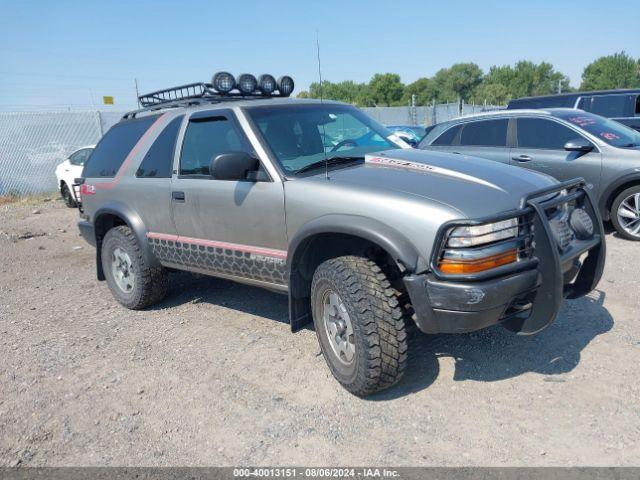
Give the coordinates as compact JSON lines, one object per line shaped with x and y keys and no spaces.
{"x":377,"y":320}
{"x":148,"y":285}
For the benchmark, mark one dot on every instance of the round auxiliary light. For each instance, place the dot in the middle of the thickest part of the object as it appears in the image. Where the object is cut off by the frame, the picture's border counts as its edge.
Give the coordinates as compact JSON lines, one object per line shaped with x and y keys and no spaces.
{"x":223,"y":82}
{"x":581,"y":224}
{"x":285,"y":85}
{"x":267,"y":84}
{"x":247,"y":83}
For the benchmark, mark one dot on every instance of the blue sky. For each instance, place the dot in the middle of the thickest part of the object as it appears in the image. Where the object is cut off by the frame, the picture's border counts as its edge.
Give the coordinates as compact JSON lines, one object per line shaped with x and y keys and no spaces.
{"x":71,"y":53}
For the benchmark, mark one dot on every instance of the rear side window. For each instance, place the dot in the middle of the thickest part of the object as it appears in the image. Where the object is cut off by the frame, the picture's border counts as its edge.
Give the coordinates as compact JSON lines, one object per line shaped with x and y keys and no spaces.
{"x":609,"y":105}
{"x":80,"y":157}
{"x":638,"y":106}
{"x":448,"y":137}
{"x":206,"y":138}
{"x":540,"y":133}
{"x":486,"y":133}
{"x":158,"y":162}
{"x":114,"y":147}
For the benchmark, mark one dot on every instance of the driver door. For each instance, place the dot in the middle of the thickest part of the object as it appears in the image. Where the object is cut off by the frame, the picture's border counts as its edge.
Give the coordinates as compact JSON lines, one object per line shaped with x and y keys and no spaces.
{"x":540,"y":147}
{"x":228,"y":228}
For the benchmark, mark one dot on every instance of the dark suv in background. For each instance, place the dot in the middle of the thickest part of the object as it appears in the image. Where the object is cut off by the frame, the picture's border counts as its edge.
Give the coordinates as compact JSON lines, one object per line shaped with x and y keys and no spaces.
{"x":620,"y":105}
{"x":561,"y":142}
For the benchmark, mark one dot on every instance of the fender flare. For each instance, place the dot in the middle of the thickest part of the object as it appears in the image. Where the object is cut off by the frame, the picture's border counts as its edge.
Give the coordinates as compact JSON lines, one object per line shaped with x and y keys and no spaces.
{"x":628,"y":176}
{"x":133,"y":221}
{"x":391,"y":240}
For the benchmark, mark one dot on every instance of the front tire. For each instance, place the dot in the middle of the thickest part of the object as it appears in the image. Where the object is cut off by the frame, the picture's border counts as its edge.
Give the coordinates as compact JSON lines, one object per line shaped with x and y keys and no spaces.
{"x":134,"y":283}
{"x":625,"y":213}
{"x":69,"y":201}
{"x":359,"y":323}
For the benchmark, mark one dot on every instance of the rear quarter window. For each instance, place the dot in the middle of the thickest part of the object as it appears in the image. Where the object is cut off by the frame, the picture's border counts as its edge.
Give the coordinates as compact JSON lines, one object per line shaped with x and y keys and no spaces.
{"x":158,"y":162}
{"x":485,"y":133}
{"x":117,"y":143}
{"x":448,"y":137}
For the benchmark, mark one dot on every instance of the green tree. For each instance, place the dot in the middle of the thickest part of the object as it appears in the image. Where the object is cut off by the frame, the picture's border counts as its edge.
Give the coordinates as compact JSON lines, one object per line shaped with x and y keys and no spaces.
{"x":524,"y":79}
{"x":385,"y":89}
{"x":425,"y":90}
{"x":492,"y":93}
{"x":613,"y":71}
{"x":458,"y":81}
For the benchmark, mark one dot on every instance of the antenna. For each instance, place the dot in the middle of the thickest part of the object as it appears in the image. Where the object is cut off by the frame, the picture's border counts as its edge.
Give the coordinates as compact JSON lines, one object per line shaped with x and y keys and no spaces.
{"x":324,"y":133}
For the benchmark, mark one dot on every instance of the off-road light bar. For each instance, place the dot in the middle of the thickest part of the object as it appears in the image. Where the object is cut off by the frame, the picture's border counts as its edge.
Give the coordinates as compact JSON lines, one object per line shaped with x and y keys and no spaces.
{"x":223,"y":85}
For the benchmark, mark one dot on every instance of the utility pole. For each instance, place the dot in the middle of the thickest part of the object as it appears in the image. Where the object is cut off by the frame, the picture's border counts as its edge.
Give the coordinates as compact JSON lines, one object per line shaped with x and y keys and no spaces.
{"x":135,"y":80}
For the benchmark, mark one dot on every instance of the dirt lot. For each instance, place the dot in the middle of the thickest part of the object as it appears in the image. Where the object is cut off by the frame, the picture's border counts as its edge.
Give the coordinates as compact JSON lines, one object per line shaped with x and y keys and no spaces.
{"x":213,"y":375}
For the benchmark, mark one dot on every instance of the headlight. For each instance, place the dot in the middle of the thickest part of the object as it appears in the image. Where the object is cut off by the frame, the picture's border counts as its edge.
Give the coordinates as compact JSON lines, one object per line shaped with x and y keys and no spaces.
{"x":473,"y":235}
{"x":472,"y":248}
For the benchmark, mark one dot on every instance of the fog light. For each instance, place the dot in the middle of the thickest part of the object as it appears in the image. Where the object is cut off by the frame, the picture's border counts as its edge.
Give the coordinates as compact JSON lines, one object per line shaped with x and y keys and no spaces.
{"x":267,"y":84}
{"x":581,"y":224}
{"x":247,"y":83}
{"x":223,"y":82}
{"x":285,"y":85}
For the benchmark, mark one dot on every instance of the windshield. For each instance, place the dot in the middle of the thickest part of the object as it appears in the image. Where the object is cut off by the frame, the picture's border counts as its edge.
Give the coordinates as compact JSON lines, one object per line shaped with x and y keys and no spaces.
{"x":300,"y":135}
{"x":609,"y":131}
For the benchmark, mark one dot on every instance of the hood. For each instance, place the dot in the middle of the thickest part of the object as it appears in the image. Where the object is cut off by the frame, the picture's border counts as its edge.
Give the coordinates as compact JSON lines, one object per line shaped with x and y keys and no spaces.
{"x":473,"y":186}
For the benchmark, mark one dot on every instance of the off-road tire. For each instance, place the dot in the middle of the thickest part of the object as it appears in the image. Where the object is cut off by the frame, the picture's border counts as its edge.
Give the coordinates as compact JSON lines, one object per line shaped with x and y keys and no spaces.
{"x":67,"y":196}
{"x":377,"y":318}
{"x":150,"y":283}
{"x":614,"y":213}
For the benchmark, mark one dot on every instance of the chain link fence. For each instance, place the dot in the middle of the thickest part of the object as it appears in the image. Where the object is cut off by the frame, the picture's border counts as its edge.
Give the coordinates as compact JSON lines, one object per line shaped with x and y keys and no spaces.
{"x":426,"y":115}
{"x":32,"y":144}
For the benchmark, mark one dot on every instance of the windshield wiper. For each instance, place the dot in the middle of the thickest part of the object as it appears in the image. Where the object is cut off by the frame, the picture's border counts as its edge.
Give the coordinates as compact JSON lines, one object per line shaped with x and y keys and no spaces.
{"x":630,"y":145}
{"x":337,"y":160}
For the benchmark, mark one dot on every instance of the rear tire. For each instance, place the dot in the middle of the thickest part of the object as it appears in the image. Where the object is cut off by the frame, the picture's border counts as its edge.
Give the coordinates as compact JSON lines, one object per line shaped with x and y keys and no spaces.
{"x":134,"y":283}
{"x":625,"y":213}
{"x":67,"y":196}
{"x":359,"y":323}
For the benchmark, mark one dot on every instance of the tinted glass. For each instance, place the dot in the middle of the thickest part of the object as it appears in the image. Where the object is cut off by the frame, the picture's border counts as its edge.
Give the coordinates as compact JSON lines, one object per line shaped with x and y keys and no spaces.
{"x":114,"y":147}
{"x":609,"y":131}
{"x":540,"y":133}
{"x":447,"y":137}
{"x":158,"y":161}
{"x":301,"y":135}
{"x":80,"y":157}
{"x":206,"y":138}
{"x":487,"y":133}
{"x":609,"y":105}
{"x":638,"y":106}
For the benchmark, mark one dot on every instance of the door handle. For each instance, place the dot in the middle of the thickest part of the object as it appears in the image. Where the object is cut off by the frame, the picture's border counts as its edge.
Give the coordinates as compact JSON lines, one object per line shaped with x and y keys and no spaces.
{"x":178,"y":196}
{"x":521,"y":158}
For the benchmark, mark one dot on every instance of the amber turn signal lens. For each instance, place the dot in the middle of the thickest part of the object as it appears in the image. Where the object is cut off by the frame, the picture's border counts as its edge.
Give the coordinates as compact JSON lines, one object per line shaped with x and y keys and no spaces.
{"x":462,"y":267}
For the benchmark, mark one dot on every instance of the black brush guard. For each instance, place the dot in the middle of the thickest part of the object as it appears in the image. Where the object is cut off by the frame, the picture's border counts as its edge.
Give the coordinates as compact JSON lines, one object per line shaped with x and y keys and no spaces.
{"x":561,"y":273}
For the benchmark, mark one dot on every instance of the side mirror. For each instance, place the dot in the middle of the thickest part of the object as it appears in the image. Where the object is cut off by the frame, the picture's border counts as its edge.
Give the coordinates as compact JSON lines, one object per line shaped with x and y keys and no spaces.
{"x":233,"y":166}
{"x":578,"y":145}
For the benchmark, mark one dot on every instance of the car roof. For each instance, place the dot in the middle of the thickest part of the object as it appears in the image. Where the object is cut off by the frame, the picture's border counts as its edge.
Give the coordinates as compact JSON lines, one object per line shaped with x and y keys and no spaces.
{"x":512,"y":113}
{"x":231,"y":102}
{"x":579,"y":94}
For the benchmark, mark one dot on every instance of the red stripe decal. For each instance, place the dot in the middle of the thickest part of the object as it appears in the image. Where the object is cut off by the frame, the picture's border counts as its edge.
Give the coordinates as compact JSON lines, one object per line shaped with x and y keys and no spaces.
{"x":267,"y":252}
{"x":134,"y":151}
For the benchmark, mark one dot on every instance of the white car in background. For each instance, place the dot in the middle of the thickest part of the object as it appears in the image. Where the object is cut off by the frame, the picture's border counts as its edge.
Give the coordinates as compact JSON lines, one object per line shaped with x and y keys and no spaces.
{"x":69,"y":170}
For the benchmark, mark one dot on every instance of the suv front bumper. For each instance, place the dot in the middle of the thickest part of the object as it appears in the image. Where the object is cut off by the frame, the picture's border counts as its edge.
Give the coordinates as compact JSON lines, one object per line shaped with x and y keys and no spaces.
{"x":524,"y":296}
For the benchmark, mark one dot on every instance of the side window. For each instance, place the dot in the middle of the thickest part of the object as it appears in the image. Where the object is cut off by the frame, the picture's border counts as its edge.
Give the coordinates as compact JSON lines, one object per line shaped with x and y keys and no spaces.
{"x":541,"y":133}
{"x":79,"y":157}
{"x":610,"y":105}
{"x":486,"y":133}
{"x":447,"y":137}
{"x":637,"y":110}
{"x":204,"y":139}
{"x":158,"y":162}
{"x":114,"y":147}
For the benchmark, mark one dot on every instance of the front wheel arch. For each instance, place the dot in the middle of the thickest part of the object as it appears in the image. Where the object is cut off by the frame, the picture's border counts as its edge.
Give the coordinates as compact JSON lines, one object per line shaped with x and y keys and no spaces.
{"x":333,"y":236}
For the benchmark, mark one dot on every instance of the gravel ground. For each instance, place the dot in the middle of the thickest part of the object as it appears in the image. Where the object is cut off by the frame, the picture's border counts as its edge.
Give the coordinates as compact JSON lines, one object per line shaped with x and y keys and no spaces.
{"x":213,"y":376}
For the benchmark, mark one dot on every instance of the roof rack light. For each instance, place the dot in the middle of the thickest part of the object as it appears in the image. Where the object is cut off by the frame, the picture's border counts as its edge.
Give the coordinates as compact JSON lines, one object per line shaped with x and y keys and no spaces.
{"x":223,"y":85}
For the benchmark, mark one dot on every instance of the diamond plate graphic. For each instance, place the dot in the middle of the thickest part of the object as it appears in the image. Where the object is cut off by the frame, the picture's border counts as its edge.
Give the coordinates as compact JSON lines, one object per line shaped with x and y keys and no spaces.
{"x":221,"y":260}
